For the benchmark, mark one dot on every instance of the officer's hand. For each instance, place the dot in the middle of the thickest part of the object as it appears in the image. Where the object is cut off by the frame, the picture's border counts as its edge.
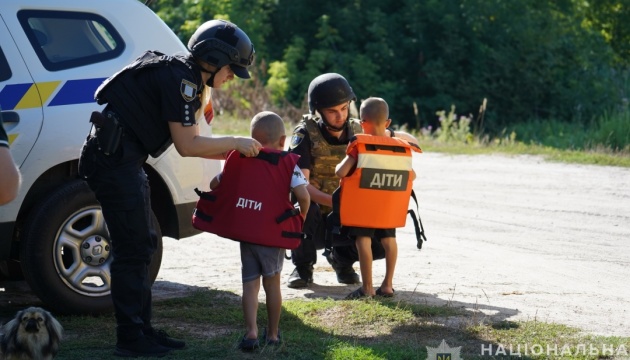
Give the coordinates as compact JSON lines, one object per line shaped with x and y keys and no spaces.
{"x":247,"y":146}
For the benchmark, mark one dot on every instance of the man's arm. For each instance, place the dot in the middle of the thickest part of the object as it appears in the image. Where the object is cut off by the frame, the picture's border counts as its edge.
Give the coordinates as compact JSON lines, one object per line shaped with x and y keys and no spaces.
{"x":317,"y":196}
{"x":188,"y":142}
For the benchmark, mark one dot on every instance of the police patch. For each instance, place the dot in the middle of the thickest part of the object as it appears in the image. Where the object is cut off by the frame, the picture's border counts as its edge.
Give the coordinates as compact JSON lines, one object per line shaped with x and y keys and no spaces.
{"x":296,"y":140}
{"x":188,"y":90}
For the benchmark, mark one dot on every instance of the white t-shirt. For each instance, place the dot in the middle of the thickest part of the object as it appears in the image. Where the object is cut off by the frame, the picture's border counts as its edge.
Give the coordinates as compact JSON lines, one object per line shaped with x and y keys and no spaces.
{"x":298,"y":178}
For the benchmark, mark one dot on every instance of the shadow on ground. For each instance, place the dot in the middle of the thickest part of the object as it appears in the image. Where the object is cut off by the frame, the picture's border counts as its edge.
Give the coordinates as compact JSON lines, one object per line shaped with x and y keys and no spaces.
{"x":211,"y":322}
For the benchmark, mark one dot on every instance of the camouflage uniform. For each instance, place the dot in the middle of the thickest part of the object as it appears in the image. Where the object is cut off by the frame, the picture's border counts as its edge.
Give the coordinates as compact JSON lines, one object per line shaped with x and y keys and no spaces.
{"x":320,"y":152}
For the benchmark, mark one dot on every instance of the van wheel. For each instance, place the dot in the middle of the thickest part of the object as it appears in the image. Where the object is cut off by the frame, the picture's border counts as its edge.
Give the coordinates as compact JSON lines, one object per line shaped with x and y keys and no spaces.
{"x":65,"y":253}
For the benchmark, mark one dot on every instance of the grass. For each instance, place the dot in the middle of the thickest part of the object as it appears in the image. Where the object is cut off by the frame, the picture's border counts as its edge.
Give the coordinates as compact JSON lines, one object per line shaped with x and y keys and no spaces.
{"x":212,"y":324}
{"x":599,"y":156}
{"x":564,"y":151}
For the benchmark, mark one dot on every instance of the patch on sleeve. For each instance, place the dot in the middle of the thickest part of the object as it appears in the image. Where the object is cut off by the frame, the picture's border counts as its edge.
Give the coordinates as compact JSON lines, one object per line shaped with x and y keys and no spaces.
{"x":296,"y":140}
{"x":188,"y":90}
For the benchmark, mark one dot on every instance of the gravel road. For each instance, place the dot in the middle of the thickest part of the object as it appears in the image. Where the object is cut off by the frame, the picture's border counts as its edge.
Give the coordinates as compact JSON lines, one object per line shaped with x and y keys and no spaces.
{"x":514,"y":238}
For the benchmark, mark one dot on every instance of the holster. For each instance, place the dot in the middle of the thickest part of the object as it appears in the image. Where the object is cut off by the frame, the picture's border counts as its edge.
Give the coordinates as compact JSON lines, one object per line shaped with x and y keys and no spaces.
{"x":109,"y":131}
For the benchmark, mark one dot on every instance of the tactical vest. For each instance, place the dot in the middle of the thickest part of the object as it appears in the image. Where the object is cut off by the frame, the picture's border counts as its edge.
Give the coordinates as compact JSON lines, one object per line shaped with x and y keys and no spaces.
{"x":326,"y":156}
{"x":376,"y":195}
{"x":154,"y":137}
{"x":251,"y":203}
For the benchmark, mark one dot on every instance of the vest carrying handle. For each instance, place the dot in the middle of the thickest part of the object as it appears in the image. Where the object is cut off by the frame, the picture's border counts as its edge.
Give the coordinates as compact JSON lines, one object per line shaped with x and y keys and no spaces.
{"x":374,"y":147}
{"x":205,"y":217}
{"x":287,"y":214}
{"x":205,"y":195}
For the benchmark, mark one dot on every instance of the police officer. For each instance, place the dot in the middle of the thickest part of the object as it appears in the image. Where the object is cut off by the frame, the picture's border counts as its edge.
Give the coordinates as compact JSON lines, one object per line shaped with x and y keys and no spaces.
{"x":321,"y":139}
{"x":153,"y":103}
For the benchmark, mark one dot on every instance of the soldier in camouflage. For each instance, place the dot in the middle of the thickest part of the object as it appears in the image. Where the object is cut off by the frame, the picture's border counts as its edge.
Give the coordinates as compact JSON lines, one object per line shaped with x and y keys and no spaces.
{"x":321,"y":139}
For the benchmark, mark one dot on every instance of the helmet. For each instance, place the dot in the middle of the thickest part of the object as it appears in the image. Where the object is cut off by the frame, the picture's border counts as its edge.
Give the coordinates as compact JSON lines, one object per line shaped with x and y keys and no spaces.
{"x":220,"y":43}
{"x":329,"y":90}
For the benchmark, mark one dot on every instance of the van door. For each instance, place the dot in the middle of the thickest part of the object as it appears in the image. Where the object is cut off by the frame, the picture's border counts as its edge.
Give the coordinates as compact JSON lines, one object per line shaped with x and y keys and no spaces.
{"x":20,"y":99}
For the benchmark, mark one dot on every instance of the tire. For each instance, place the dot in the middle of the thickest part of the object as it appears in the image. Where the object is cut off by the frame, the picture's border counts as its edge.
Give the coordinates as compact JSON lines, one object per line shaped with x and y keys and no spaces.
{"x":65,"y":252}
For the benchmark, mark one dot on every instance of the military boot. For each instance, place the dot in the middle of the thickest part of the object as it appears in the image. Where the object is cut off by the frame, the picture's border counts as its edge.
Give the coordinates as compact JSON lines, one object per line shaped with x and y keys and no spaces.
{"x":345,"y":273}
{"x":301,"y":277}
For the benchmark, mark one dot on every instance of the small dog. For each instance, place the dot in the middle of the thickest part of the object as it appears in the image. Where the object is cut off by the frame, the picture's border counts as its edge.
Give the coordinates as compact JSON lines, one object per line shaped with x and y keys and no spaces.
{"x":34,"y":334}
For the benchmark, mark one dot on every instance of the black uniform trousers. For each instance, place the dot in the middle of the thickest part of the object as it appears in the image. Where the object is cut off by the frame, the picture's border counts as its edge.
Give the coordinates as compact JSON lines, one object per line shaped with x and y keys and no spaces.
{"x":316,"y":230}
{"x":122,"y":188}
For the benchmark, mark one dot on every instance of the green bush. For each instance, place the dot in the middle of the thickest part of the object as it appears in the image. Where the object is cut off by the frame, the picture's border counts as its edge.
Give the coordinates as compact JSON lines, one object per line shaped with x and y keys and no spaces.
{"x":613,"y":130}
{"x":565,"y":60}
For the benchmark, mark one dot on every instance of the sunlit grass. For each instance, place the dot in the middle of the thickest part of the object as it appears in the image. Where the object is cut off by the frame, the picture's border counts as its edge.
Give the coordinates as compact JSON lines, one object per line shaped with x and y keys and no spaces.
{"x":211,"y":322}
{"x":507,"y":145}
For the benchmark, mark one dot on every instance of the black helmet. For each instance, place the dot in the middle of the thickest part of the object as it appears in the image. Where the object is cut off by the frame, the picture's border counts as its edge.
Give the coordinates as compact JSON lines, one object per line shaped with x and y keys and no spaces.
{"x":329,"y":90}
{"x":220,"y":43}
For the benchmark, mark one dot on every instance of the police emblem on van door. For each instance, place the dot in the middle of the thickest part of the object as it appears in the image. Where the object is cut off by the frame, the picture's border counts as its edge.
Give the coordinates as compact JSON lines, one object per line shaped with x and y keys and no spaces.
{"x":188,"y":90}
{"x":379,"y":179}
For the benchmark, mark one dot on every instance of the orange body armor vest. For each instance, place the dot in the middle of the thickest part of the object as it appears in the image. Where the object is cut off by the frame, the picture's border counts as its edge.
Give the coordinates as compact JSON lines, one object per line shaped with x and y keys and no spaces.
{"x":376,"y":195}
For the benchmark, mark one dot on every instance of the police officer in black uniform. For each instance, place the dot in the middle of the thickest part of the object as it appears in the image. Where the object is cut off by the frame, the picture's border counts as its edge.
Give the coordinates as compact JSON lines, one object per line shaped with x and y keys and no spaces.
{"x":321,"y":139}
{"x":153,"y":103}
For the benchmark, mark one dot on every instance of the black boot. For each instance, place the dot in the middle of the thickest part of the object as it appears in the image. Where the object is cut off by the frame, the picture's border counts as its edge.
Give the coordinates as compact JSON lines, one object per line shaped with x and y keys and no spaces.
{"x":345,"y":273}
{"x":162,"y":338}
{"x":301,"y":277}
{"x":142,"y":346}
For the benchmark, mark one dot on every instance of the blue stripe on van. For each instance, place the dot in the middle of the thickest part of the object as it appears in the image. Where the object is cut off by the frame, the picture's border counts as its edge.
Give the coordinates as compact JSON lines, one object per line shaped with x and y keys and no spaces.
{"x":76,"y":92}
{"x":11,"y":95}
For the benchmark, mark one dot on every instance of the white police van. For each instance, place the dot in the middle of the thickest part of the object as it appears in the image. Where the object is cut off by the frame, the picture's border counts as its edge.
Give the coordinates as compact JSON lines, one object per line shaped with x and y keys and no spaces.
{"x":53,"y":56}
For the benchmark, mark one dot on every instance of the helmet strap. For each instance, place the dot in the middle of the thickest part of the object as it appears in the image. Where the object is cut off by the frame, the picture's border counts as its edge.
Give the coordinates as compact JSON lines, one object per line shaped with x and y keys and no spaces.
{"x":210,"y":81}
{"x":334,"y":128}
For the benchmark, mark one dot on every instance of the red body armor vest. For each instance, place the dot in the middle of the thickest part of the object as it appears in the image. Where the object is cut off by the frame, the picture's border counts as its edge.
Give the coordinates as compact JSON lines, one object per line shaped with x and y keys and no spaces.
{"x":251,"y":203}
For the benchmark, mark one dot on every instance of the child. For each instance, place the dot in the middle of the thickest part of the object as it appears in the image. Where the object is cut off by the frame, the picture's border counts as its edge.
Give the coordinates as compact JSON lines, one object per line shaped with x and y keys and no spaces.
{"x":257,"y":260}
{"x":374,"y":114}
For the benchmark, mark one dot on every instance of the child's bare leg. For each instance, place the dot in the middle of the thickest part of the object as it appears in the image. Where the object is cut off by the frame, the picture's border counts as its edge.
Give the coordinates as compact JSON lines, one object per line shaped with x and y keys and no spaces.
{"x":250,"y":307}
{"x":364,"y":247}
{"x":391,"y":255}
{"x":273,"y":296}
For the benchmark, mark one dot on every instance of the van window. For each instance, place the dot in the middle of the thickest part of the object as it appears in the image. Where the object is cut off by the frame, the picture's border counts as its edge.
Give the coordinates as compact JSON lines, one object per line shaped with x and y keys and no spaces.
{"x":65,"y":39}
{"x":5,"y":70}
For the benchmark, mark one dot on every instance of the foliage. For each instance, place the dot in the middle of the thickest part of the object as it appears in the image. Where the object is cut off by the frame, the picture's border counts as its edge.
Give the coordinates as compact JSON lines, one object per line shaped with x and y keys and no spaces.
{"x":613,"y":130}
{"x":452,"y":128}
{"x":610,"y":131}
{"x":610,"y":18}
{"x":531,"y":59}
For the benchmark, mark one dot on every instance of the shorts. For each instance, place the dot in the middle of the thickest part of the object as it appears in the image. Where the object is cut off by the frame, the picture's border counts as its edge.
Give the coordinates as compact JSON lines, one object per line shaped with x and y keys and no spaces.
{"x":258,"y":260}
{"x":372,"y":233}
